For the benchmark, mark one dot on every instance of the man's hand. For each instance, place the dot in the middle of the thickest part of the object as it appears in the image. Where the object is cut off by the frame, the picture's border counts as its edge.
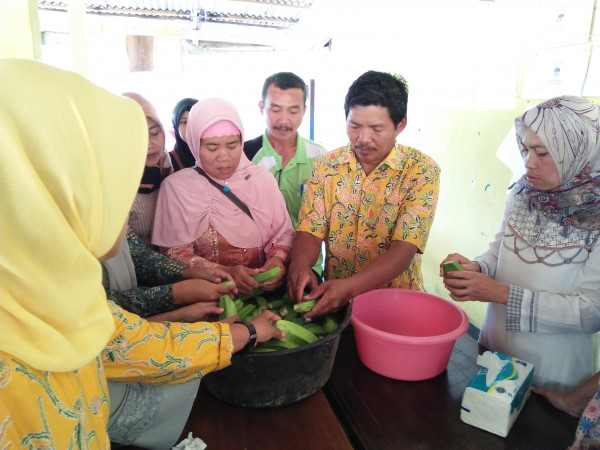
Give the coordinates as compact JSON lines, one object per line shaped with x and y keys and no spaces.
{"x":332,"y":296}
{"x":299,"y":279}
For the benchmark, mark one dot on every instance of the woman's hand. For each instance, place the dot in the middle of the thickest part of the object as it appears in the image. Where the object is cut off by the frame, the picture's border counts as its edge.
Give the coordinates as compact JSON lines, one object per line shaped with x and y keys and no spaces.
{"x":471,"y":285}
{"x":575,"y":402}
{"x":197,"y":312}
{"x":265,"y":330}
{"x":192,"y":291}
{"x":465,"y":262}
{"x":214,"y":275}
{"x":273,"y":284}
{"x":242,"y":277}
{"x":560,"y":401}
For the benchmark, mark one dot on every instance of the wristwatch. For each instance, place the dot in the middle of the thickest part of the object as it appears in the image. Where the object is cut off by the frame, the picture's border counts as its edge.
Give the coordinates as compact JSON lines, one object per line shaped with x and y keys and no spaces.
{"x":252,"y":339}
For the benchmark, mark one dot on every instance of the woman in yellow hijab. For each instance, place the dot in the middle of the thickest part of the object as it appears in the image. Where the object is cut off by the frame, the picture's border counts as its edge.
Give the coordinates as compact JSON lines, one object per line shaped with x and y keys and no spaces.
{"x":67,"y":187}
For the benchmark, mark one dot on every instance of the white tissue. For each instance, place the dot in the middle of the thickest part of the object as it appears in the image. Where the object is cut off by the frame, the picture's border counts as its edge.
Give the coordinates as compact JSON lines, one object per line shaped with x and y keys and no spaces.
{"x":494,"y":365}
{"x":190,"y":443}
{"x":495,"y":396}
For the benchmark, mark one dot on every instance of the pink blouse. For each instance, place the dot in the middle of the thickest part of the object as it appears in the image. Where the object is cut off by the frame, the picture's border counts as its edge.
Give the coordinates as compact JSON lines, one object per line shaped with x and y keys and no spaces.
{"x":212,"y":250}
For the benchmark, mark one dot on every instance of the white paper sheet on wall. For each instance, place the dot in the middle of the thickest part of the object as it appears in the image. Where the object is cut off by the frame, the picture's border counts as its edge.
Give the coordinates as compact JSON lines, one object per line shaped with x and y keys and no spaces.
{"x":557,"y":71}
{"x":508,"y":152}
{"x":592,"y":81}
{"x":562,"y":22}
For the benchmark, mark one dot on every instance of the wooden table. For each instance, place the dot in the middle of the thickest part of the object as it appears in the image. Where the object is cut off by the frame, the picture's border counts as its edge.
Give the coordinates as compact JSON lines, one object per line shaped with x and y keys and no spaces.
{"x":360,"y":409}
{"x":381,"y":413}
{"x":307,"y":424}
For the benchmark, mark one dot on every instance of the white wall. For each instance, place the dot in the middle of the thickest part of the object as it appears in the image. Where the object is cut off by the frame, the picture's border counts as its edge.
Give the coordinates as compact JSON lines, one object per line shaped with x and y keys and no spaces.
{"x":466,"y":62}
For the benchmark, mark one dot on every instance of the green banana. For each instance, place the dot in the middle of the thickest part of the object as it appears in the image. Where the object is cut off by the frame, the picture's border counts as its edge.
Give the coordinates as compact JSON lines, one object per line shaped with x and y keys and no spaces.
{"x":261,"y":301}
{"x":287,"y":342}
{"x":239,"y":304}
{"x":246,"y":311}
{"x":297,"y":320}
{"x":252,"y":314}
{"x":276,"y":304}
{"x":253,"y":293}
{"x":291,"y":328}
{"x":452,"y":266}
{"x":315,"y":329}
{"x":306,"y":306}
{"x":262,"y":349}
{"x":268,"y":275}
{"x":330,"y":324}
{"x":229,"y":309}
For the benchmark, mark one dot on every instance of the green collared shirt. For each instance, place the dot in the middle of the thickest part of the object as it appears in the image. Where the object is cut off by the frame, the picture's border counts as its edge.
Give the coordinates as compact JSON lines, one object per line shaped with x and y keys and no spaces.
{"x":294,"y":177}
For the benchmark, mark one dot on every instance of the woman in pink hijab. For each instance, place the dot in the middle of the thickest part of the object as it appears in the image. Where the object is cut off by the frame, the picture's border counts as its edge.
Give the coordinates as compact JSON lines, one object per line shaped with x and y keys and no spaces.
{"x":157,"y":167}
{"x":199,"y":225}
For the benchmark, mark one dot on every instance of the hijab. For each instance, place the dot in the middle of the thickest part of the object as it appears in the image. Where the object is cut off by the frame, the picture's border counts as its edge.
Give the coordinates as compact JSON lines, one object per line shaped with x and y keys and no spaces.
{"x":65,"y":197}
{"x":152,"y":176}
{"x":120,"y":269}
{"x":188,"y":203}
{"x":569,"y":127}
{"x":181,"y":147}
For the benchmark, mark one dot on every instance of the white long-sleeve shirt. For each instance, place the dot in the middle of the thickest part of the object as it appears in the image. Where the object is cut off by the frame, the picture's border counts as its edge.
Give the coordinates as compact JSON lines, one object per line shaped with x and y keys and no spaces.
{"x":553,"y":306}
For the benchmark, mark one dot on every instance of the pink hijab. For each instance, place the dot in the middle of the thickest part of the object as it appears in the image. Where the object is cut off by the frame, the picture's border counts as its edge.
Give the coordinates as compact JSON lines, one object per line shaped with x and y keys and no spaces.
{"x":150,"y":113}
{"x":188,"y":203}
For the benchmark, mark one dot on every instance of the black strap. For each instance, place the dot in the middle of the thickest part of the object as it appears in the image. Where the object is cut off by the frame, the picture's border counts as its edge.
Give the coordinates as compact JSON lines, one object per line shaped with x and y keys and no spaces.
{"x":252,"y":339}
{"x":226,"y":191}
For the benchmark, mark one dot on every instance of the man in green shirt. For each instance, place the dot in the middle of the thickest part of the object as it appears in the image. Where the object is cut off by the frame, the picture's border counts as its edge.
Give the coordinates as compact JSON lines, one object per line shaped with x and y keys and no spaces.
{"x":281,"y":150}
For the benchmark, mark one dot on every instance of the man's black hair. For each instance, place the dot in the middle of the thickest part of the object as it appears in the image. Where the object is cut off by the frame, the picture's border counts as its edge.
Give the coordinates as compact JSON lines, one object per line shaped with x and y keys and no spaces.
{"x":379,"y":89}
{"x":285,"y":80}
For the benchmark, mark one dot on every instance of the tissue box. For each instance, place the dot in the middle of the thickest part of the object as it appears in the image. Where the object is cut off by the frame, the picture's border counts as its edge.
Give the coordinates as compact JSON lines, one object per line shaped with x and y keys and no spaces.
{"x":495,"y":396}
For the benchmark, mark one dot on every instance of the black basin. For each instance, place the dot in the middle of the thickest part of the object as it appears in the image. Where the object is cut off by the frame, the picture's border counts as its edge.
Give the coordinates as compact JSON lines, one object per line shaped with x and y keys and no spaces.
{"x":262,"y":380}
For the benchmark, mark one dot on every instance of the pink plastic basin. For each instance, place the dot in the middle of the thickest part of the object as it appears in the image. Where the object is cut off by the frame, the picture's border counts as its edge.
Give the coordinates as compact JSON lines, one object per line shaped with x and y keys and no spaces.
{"x":404,"y":334}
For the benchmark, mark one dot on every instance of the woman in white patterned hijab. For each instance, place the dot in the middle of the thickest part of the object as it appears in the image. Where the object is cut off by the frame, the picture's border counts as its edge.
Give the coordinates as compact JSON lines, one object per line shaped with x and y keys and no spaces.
{"x":541,"y":273}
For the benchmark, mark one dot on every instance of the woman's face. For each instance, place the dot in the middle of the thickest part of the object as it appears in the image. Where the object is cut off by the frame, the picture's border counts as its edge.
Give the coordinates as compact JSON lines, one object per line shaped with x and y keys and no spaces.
{"x":540,"y":168}
{"x":220,"y":156}
{"x":183,"y":124}
{"x":156,"y":142}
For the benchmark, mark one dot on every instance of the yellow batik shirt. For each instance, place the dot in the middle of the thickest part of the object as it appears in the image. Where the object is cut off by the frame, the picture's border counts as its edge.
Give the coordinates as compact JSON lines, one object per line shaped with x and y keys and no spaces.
{"x":69,"y":410}
{"x":358,"y":215}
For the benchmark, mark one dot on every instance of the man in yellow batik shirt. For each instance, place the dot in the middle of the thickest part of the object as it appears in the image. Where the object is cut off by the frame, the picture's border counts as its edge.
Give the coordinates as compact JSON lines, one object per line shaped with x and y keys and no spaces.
{"x":372,"y":202}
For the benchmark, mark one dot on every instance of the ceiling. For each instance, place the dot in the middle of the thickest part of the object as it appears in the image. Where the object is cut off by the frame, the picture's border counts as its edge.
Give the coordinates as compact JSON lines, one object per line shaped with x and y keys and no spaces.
{"x":260,"y":23}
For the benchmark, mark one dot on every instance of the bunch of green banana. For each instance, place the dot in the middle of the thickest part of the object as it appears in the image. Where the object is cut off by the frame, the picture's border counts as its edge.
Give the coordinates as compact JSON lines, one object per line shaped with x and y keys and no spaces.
{"x":298,"y":329}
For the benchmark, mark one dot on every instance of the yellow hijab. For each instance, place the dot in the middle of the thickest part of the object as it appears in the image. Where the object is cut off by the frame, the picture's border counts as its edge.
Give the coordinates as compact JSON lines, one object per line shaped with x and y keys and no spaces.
{"x":73,"y":158}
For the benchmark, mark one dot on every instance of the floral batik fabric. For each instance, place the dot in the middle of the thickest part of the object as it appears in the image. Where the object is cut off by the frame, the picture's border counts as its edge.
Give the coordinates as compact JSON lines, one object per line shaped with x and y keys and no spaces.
{"x":359,"y":215}
{"x":588,"y":429}
{"x":155,"y":275}
{"x":71,"y":405}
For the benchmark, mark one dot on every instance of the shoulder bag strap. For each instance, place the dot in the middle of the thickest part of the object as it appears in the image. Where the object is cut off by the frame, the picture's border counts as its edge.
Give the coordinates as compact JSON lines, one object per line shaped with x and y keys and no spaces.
{"x":226,"y":191}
